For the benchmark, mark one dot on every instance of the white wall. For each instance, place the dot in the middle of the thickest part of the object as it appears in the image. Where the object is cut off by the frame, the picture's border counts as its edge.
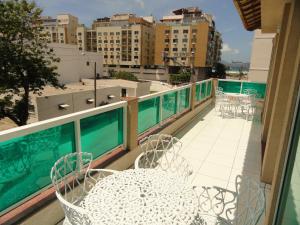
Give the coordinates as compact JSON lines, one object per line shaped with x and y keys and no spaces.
{"x":260,"y":57}
{"x":72,"y":66}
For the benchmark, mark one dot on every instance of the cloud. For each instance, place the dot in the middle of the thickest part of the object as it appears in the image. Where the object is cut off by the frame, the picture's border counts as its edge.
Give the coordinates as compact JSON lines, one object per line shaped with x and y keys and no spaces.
{"x":227,"y":49}
{"x":140,"y":3}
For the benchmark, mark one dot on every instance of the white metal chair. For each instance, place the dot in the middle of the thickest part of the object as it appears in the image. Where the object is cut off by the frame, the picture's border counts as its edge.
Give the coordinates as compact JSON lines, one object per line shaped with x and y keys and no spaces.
{"x":244,"y":206}
{"x":222,"y":102}
{"x":72,"y":178}
{"x":161,"y":151}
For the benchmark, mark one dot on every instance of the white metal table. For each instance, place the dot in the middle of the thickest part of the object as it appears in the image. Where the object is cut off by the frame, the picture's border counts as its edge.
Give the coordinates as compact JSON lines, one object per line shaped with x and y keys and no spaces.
{"x":142,"y":196}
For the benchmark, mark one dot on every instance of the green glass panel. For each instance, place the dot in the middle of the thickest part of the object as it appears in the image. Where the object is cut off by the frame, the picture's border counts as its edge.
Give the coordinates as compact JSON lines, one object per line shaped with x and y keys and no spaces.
{"x":184,"y":99}
{"x":25,"y":162}
{"x":203,"y":90}
{"x":102,"y":133}
{"x":169,"y":105}
{"x":148,"y":115}
{"x":209,"y":85}
{"x":230,"y":86}
{"x":198,"y":96}
{"x":259,"y":87}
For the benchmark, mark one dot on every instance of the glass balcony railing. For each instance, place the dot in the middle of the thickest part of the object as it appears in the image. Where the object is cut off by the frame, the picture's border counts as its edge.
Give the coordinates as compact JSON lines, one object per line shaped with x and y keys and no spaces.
{"x":237,"y":86}
{"x":27,"y":153}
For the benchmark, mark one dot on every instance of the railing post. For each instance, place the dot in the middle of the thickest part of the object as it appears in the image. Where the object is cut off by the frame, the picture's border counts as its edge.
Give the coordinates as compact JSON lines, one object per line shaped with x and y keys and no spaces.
{"x":241,"y":87}
{"x":193,"y":99}
{"x":177,"y":103}
{"x":77,"y":135}
{"x":132,"y":123}
{"x":214,"y":87}
{"x":160,"y":109}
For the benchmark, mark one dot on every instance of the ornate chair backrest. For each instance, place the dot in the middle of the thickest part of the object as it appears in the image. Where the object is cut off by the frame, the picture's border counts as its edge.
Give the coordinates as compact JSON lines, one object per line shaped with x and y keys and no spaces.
{"x":241,"y":207}
{"x":68,"y":174}
{"x":161,"y":142}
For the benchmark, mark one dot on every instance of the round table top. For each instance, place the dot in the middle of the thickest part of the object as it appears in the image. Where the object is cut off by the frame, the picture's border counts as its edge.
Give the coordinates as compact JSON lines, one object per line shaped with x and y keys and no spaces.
{"x":142,"y":196}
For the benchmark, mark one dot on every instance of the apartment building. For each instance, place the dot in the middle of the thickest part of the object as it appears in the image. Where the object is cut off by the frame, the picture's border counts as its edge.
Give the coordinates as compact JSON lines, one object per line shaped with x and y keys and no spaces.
{"x":124,"y":39}
{"x":187,"y":38}
{"x":61,"y":29}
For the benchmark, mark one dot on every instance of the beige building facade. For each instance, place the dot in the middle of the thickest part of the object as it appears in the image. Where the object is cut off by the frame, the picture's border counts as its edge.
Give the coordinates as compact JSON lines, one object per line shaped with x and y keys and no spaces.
{"x":261,"y":55}
{"x":61,"y":29}
{"x":187,"y":38}
{"x":124,"y":39}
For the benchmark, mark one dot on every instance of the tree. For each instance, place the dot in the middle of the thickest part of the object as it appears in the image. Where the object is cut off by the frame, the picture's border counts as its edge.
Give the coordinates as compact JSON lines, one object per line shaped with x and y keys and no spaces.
{"x":182,"y":77}
{"x":124,"y":75}
{"x":26,"y":61}
{"x":220,"y":70}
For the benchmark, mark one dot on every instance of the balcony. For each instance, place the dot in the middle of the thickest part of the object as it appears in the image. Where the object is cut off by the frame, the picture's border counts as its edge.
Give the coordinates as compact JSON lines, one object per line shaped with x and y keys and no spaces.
{"x":112,"y":132}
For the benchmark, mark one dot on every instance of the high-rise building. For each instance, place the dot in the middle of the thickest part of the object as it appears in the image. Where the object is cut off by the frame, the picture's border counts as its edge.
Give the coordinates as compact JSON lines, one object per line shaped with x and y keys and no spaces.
{"x":124,"y":39}
{"x":60,"y":30}
{"x":187,"y":38}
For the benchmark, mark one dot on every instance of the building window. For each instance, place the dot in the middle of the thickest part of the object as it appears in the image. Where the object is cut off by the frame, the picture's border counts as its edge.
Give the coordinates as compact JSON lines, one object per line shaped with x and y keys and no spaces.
{"x":99,"y":41}
{"x":185,"y":31}
{"x":123,"y":92}
{"x":112,"y":57}
{"x":167,"y":40}
{"x":184,"y":49}
{"x":175,"y":40}
{"x":118,"y":41}
{"x":111,"y":33}
{"x":166,"y":49}
{"x":105,"y":56}
{"x":61,"y":34}
{"x":117,"y":33}
{"x":124,"y":32}
{"x":80,"y":48}
{"x":111,"y":41}
{"x":136,"y":32}
{"x":183,"y":58}
{"x":194,"y":31}
{"x":135,"y":57}
{"x":105,"y":49}
{"x":111,"y":49}
{"x":99,"y":49}
{"x":136,"y":40}
{"x":79,"y":34}
{"x":175,"y":49}
{"x":185,"y":40}
{"x":175,"y":31}
{"x":62,"y":41}
{"x":105,"y":41}
{"x":99,"y":33}
{"x":136,"y":49}
{"x":167,"y":31}
{"x":117,"y":49}
{"x":105,"y":33}
{"x":79,"y":41}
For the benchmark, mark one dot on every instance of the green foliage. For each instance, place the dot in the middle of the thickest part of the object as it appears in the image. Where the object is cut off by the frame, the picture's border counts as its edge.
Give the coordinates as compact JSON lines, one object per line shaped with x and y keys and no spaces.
{"x":183,"y":77}
{"x":220,"y":71}
{"x":26,"y":60}
{"x":124,"y":75}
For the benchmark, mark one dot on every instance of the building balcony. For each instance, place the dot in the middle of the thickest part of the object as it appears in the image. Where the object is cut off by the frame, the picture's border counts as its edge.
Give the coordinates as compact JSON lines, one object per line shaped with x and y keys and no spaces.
{"x":218,"y":148}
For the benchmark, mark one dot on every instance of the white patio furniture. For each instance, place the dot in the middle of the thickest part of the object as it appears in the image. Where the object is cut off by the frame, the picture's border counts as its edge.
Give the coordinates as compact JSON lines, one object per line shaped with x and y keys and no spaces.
{"x":244,"y":206}
{"x":72,"y":179}
{"x":142,"y":196}
{"x":161,"y":151}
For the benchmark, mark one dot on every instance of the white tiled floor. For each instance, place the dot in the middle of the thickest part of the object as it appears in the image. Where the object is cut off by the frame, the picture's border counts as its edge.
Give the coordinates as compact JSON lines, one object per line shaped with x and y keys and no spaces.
{"x":219,"y":149}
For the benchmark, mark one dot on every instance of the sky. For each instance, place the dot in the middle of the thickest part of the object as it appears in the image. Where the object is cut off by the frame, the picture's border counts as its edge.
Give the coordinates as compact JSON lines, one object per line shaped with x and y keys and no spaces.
{"x":237,"y":40}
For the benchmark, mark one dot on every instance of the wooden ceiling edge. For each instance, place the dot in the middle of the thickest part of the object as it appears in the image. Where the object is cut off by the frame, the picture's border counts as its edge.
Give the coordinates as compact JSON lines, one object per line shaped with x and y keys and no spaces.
{"x":242,"y":16}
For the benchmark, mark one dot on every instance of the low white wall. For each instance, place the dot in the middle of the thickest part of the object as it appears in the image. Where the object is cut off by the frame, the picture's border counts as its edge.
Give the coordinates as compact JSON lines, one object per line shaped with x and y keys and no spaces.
{"x":48,"y":106}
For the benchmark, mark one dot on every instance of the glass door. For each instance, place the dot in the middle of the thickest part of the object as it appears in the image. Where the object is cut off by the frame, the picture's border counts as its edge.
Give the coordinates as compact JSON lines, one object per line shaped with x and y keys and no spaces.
{"x":288,"y":212}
